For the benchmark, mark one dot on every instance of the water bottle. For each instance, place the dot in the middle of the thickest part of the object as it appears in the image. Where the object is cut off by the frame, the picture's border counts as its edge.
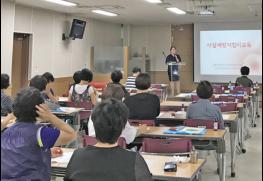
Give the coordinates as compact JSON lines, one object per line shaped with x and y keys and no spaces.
{"x":215,"y":125}
{"x":229,"y":85}
{"x":193,"y":155}
{"x":182,"y":108}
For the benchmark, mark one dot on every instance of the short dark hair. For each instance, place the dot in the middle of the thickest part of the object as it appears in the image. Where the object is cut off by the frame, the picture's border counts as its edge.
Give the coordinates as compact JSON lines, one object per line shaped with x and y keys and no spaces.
{"x":116,"y":76}
{"x":204,"y":90}
{"x":4,"y":81}
{"x":76,"y":77}
{"x":25,"y":104}
{"x":86,"y":75}
{"x":49,"y":77}
{"x":172,"y":48}
{"x":136,"y":70}
{"x":244,"y":70}
{"x":39,"y":82}
{"x":109,"y":118}
{"x":143,"y":81}
{"x":112,"y":91}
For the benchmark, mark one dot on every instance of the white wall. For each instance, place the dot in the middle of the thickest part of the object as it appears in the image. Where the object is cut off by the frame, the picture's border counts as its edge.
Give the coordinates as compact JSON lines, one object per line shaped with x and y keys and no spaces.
{"x":7,"y":29}
{"x":156,"y":39}
{"x":49,"y":51}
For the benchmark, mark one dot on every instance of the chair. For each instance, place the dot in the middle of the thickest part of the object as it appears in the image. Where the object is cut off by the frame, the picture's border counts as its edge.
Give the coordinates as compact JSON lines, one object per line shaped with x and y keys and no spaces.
{"x":170,"y":108}
{"x":156,"y":86}
{"x":136,"y":122}
{"x":98,"y":85}
{"x":231,"y":98}
{"x":159,"y":93}
{"x":228,"y":107}
{"x":151,"y":145}
{"x":85,"y":114}
{"x":89,"y":140}
{"x":241,"y":89}
{"x":195,"y":98}
{"x":209,"y":124}
{"x":217,"y":89}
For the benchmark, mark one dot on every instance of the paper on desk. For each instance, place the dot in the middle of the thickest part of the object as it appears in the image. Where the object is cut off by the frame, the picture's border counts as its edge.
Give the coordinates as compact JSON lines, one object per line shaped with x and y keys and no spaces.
{"x":181,"y":159}
{"x":64,"y":158}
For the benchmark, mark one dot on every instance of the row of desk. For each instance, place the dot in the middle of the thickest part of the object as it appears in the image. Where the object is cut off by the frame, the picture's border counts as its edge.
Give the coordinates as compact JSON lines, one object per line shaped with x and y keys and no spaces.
{"x":185,"y":171}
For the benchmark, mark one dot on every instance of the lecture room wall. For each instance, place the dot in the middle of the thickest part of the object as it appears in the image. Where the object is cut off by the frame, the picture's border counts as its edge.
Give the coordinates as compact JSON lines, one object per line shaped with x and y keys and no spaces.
{"x":49,"y":51}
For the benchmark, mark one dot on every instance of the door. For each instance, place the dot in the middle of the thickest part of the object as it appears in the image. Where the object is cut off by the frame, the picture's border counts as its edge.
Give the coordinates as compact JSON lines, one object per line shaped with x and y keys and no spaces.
{"x":20,"y":62}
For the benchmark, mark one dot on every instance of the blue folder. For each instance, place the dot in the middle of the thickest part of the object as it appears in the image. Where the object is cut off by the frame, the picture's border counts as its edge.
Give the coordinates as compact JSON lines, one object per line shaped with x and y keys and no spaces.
{"x":201,"y":131}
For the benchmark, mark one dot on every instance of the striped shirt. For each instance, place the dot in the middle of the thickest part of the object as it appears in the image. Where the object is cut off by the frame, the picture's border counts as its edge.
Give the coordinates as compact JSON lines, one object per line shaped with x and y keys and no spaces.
{"x":130,"y":83}
{"x":6,"y":104}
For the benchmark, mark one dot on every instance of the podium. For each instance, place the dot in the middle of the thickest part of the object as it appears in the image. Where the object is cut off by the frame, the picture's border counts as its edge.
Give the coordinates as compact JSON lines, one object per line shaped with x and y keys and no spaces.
{"x":171,"y":64}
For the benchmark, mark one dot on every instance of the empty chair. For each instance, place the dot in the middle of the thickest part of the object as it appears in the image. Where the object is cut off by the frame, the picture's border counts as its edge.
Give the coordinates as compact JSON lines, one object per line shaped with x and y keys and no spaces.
{"x":209,"y":124}
{"x":217,"y":89}
{"x":231,"y":98}
{"x":151,"y":145}
{"x":228,"y":107}
{"x":241,"y":90}
{"x":195,"y":98}
{"x":85,"y":114}
{"x":89,"y":140}
{"x":135,"y":122}
{"x":159,"y":93}
{"x":157,"y":86}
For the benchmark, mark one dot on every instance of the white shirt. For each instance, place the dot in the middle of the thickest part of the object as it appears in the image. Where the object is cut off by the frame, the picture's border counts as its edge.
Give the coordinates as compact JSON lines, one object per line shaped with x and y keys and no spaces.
{"x":129,"y":132}
{"x":81,"y":88}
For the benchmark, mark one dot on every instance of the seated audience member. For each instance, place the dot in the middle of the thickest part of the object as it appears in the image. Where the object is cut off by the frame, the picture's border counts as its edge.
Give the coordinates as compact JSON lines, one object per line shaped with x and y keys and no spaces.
{"x":106,"y":160}
{"x":76,"y":77}
{"x":116,"y":76}
{"x":40,"y":83}
{"x":130,"y":83}
{"x":129,"y":132}
{"x":244,"y":80}
{"x":83,"y":91}
{"x":143,"y":105}
{"x":25,"y":146}
{"x":203,"y":108}
{"x":49,"y":91}
{"x":6,"y":101}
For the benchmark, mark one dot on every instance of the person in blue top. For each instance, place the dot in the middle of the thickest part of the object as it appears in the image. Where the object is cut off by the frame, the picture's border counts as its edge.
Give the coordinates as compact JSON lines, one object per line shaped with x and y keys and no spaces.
{"x":203,"y":108}
{"x":173,"y":70}
{"x":26,"y":146}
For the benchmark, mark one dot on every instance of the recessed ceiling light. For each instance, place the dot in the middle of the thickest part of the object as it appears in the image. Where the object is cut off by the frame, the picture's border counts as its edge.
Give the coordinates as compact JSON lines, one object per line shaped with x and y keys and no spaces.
{"x":106,"y":13}
{"x":62,"y":2}
{"x":176,"y":10}
{"x":155,"y":1}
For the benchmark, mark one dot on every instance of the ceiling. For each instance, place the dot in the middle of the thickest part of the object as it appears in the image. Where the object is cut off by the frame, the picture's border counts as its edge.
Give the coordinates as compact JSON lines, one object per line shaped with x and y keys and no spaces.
{"x":141,"y":12}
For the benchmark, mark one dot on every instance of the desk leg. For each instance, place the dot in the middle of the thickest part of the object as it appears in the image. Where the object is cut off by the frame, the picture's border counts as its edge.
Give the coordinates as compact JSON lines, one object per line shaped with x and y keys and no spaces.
{"x":221,"y":149}
{"x":233,"y":153}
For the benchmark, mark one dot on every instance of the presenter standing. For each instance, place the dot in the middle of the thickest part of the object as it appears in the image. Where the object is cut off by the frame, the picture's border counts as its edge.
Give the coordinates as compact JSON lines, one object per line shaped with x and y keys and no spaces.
{"x":173,"y":70}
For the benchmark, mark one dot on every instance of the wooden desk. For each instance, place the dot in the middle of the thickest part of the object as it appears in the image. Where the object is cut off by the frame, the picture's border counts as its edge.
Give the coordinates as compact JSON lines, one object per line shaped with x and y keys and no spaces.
{"x":211,"y":135}
{"x":185,"y":171}
{"x":187,"y":104}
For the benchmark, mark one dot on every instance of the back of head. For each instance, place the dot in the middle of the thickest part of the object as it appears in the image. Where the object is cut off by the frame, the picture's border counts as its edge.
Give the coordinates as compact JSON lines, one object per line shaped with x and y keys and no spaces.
{"x":244,"y":70}
{"x":204,"y":90}
{"x":25,"y":104}
{"x":112,"y":91}
{"x":4,"y":81}
{"x":49,"y":77}
{"x":109,"y":118}
{"x":116,"y":76}
{"x":76,"y":77}
{"x":136,"y":70}
{"x":38,"y":82}
{"x":86,"y":75}
{"x":143,"y":81}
